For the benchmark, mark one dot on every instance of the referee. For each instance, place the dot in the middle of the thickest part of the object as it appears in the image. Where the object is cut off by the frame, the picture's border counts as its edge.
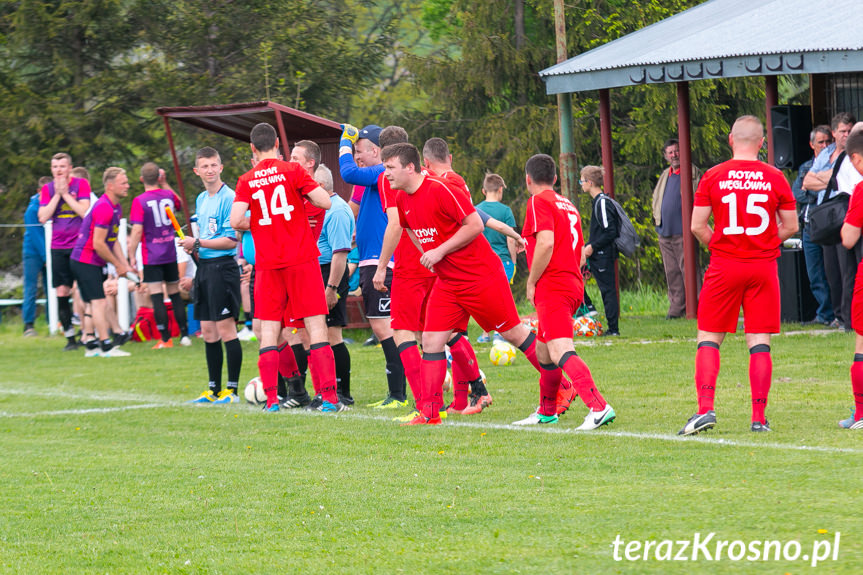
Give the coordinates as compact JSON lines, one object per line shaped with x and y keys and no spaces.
{"x":217,"y":281}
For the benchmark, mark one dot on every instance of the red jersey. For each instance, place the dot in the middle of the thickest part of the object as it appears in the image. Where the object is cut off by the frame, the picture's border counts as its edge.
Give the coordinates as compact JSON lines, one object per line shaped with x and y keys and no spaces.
{"x":855,"y":208}
{"x":407,"y":255}
{"x":280,"y":229}
{"x":315,"y":216}
{"x":745,"y":196}
{"x":548,"y":211}
{"x":435,"y":212}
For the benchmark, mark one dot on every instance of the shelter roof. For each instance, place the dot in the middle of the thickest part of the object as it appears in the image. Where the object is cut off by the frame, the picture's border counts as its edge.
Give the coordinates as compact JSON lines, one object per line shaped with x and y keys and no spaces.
{"x":723,"y":39}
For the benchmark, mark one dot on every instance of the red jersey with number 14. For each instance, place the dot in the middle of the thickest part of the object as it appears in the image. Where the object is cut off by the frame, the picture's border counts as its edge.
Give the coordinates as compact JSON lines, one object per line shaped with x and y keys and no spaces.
{"x":274,"y":190}
{"x":548,"y":211}
{"x":745,"y":196}
{"x":435,"y":212}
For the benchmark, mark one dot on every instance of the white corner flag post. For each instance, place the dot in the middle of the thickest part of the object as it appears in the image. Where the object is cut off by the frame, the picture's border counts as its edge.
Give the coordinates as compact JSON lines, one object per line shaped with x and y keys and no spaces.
{"x":49,"y":275}
{"x":122,"y":282}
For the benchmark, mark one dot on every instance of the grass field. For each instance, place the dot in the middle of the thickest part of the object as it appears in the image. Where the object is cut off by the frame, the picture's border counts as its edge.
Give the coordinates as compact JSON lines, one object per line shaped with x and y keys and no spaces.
{"x":106,"y":469}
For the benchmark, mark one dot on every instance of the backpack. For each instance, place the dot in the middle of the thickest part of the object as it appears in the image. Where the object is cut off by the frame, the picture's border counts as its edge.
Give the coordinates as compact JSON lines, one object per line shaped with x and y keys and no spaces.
{"x":627,"y":239}
{"x":144,"y":325}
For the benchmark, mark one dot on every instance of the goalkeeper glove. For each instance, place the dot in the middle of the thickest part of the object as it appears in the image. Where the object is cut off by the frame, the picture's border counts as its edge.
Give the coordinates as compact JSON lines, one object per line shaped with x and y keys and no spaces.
{"x":349,"y":135}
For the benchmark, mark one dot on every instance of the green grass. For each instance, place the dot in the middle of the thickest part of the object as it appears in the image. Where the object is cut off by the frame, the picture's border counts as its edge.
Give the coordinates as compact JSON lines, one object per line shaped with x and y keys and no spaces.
{"x":173,"y":488}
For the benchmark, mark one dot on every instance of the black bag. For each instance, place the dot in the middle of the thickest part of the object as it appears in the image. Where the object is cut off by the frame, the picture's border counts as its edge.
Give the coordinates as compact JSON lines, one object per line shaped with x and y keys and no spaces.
{"x":826,"y":219}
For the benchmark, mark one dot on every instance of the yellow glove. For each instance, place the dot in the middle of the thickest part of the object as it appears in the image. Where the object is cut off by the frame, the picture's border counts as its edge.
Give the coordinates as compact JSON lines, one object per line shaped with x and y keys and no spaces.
{"x":349,"y":135}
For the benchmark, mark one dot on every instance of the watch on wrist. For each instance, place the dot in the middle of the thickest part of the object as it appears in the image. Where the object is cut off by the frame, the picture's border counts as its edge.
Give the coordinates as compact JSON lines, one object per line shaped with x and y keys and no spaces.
{"x":332,"y":287}
{"x":197,"y":244}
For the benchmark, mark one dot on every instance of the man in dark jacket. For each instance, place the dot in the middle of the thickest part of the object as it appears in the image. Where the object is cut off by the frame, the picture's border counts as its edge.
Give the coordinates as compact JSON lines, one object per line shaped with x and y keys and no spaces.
{"x":601,"y":251}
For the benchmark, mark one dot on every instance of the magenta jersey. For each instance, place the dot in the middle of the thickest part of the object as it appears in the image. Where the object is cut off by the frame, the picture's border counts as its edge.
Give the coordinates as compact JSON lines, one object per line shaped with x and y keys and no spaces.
{"x":157,"y":241}
{"x":65,"y":221}
{"x":104,"y":214}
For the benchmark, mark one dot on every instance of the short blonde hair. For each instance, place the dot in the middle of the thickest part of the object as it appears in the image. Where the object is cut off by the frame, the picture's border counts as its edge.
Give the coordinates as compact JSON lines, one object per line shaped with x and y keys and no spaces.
{"x":493,"y":183}
{"x":110,"y":174}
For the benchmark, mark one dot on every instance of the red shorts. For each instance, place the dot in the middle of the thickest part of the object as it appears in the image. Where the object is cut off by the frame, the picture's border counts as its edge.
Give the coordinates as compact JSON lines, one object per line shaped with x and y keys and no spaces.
{"x":728,"y":284}
{"x":857,"y":303}
{"x":293,"y":292}
{"x":490,"y":303}
{"x":408,"y":303}
{"x":554,"y":311}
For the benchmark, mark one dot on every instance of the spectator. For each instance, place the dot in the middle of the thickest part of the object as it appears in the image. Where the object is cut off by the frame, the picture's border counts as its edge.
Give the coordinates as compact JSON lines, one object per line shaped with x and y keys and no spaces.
{"x":505,"y":248}
{"x":668,"y":217}
{"x":33,"y":256}
{"x":601,"y":252}
{"x":820,"y":138}
{"x":839,"y":263}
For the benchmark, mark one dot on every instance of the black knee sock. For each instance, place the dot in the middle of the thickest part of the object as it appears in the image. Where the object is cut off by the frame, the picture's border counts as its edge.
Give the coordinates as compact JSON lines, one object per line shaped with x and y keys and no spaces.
{"x":160,"y":314}
{"x":343,"y":369}
{"x":234,"y":351}
{"x":395,"y":370}
{"x":215,"y":358}
{"x":180,"y":313}
{"x":64,"y":312}
{"x":302,"y":357}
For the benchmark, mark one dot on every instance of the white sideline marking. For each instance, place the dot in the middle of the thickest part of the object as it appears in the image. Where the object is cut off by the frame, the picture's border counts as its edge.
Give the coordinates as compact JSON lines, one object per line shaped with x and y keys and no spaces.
{"x":632,"y":434}
{"x":477,"y":425}
{"x":60,"y":393}
{"x":88,"y":411}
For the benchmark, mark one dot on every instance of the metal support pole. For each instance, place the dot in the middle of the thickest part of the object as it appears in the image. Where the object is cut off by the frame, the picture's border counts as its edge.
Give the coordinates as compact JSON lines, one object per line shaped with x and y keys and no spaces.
{"x":690,"y":244}
{"x":49,"y":278}
{"x":186,"y":212}
{"x":122,"y":283}
{"x":568,"y":161}
{"x":771,"y":98}
{"x":607,"y":160}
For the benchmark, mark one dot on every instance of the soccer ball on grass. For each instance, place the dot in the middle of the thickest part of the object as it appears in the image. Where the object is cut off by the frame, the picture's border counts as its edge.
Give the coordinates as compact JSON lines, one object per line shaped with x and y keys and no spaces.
{"x":254,"y":392}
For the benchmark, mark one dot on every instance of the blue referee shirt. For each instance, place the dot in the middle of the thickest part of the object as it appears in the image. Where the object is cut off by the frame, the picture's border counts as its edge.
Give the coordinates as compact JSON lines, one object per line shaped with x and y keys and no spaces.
{"x":214,"y":215}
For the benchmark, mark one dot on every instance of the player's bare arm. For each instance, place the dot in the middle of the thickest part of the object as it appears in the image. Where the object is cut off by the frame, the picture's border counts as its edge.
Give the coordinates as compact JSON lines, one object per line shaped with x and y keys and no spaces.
{"x":788,"y":224}
{"x":320,"y":198}
{"x":100,"y":246}
{"x":134,"y":240}
{"x":78,"y":206}
{"x":391,"y":239}
{"x":337,"y":270}
{"x":509,"y":232}
{"x":46,"y":212}
{"x":238,"y":220}
{"x":541,"y":256}
{"x":701,"y":224}
{"x":850,"y":235}
{"x":471,"y":227}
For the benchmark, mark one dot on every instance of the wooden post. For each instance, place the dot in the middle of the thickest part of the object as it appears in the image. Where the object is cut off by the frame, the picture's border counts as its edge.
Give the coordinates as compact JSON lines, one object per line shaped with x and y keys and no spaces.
{"x":690,"y":244}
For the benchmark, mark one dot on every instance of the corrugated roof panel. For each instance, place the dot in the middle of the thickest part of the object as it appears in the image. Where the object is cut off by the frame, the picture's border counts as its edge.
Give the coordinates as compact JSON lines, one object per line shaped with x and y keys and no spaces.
{"x":720,"y":29}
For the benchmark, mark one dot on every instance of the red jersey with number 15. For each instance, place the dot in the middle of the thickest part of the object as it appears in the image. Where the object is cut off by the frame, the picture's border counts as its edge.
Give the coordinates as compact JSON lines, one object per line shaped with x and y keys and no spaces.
{"x":274,"y":190}
{"x":745,"y":196}
{"x":548,"y":211}
{"x":435,"y":212}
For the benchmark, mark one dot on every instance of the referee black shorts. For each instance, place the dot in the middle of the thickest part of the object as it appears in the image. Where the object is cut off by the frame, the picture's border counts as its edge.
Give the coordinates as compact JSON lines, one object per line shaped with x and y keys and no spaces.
{"x":338,"y":316}
{"x":217,"y":289}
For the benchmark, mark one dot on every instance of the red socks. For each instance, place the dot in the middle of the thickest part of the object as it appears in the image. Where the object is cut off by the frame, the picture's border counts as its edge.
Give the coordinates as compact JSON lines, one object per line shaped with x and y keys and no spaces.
{"x":464,"y":369}
{"x":433,"y":371}
{"x":528,"y":348}
{"x":409,"y":353}
{"x":268,"y":367}
{"x":287,"y":362}
{"x":760,"y":375}
{"x":322,"y":364}
{"x":857,"y":385}
{"x":550,"y":378}
{"x":706,"y":372}
{"x":585,"y":387}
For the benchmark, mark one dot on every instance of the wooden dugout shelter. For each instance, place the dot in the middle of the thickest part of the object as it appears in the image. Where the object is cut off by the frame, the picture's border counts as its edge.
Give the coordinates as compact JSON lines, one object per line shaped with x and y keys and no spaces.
{"x":725,"y":39}
{"x":237,"y":120}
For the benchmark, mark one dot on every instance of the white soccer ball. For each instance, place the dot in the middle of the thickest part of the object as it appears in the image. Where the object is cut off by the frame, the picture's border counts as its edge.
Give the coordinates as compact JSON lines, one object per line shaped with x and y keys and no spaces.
{"x":502,"y":353}
{"x":254,"y":392}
